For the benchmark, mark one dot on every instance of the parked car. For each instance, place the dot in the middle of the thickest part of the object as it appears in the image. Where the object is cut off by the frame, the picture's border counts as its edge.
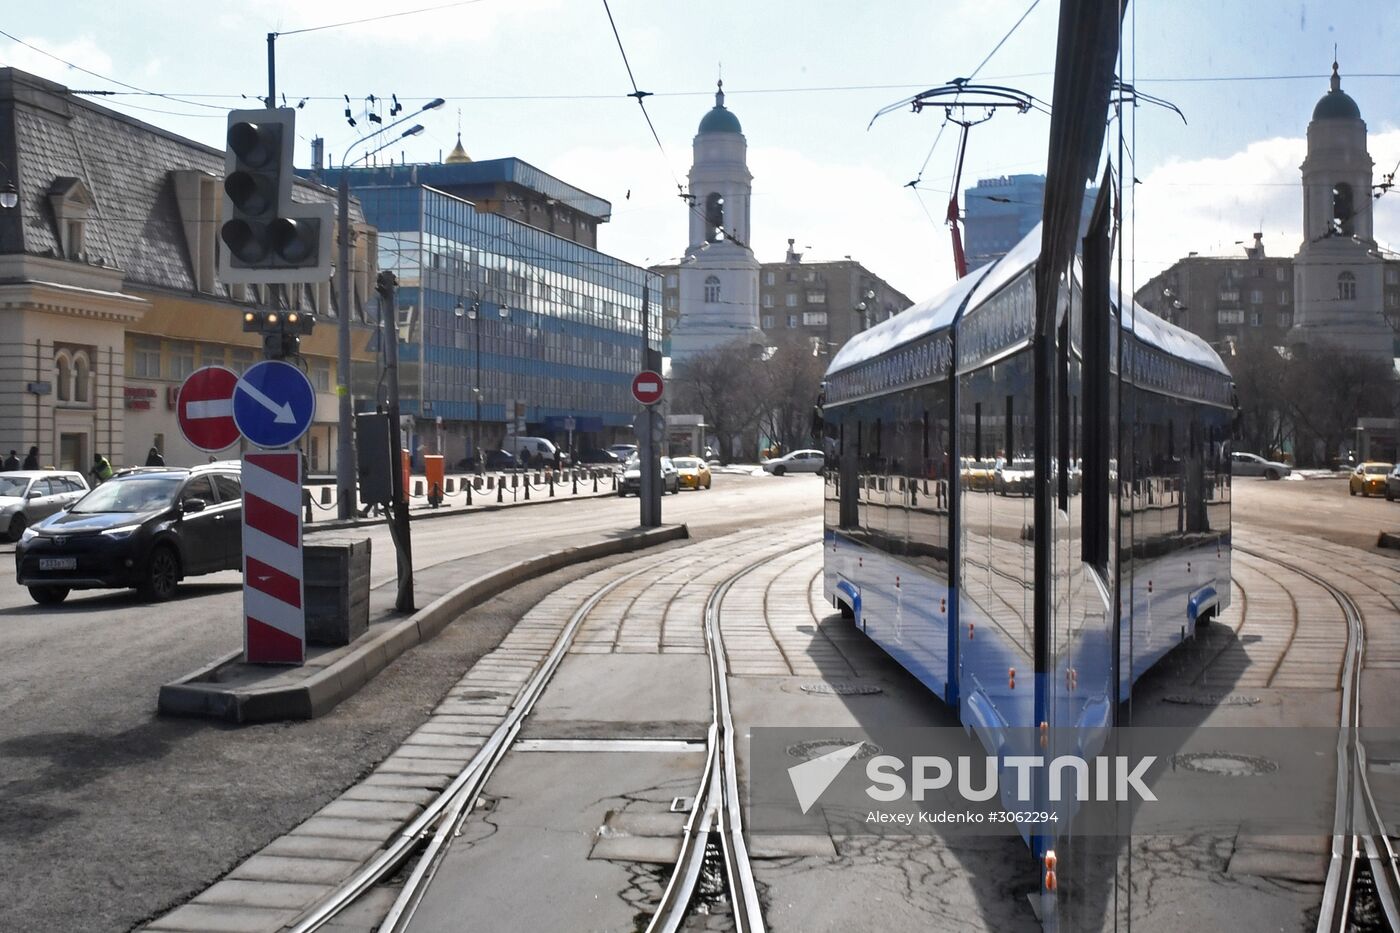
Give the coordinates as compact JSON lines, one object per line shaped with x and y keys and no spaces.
{"x":694,"y":473}
{"x":1015,"y":476}
{"x":623,"y":452}
{"x":1392,"y":484}
{"x":26,"y":496}
{"x":1242,"y":464}
{"x":495,"y":460}
{"x":146,"y":529}
{"x":977,"y":474}
{"x":534,"y":451}
{"x":631,"y":482}
{"x":1369,"y":478}
{"x":799,"y":461}
{"x":596,"y":456}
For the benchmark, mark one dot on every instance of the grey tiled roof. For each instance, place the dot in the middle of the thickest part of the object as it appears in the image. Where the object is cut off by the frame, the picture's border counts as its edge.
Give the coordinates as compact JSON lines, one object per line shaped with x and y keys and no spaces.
{"x":47,"y":134}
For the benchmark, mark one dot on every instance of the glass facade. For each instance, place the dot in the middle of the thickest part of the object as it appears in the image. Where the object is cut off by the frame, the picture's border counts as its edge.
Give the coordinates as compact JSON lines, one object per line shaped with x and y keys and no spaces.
{"x":557,"y":331}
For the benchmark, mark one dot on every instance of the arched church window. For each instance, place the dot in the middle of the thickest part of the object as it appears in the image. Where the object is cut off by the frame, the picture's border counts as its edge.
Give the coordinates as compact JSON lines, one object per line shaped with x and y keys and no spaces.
{"x":1343,"y":214}
{"x":711,"y":289}
{"x":81,"y":377}
{"x":1346,"y":287}
{"x":714,"y":217}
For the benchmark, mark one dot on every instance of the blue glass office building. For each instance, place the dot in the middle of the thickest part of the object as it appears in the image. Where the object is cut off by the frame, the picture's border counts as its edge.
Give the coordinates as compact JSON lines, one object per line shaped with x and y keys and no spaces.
{"x":556,"y":336}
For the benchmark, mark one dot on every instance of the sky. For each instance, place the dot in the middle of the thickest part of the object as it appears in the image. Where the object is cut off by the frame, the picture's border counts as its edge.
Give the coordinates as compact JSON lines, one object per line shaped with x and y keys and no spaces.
{"x":543,"y":80}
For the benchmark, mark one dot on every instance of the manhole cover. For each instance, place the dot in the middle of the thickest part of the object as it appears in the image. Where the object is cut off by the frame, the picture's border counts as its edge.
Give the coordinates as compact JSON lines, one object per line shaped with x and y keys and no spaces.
{"x":819,"y":747}
{"x":1226,"y":764}
{"x":841,"y":689}
{"x":1210,"y":699}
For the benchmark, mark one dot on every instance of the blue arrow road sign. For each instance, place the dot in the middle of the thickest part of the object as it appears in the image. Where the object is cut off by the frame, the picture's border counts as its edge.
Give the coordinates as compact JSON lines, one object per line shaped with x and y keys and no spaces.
{"x":273,"y":404}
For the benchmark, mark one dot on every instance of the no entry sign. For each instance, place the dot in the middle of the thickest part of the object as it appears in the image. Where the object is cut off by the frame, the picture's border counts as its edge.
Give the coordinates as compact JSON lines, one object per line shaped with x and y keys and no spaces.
{"x":205,"y":408}
{"x":647,"y":387}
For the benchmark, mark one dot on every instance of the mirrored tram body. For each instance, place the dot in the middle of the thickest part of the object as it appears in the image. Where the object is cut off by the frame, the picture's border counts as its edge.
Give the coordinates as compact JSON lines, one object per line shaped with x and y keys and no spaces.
{"x":929,"y":541}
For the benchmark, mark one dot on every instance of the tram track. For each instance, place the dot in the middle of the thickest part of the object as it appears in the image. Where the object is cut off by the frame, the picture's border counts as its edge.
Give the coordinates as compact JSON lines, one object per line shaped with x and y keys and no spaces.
{"x":714,"y":822}
{"x":1362,"y":865}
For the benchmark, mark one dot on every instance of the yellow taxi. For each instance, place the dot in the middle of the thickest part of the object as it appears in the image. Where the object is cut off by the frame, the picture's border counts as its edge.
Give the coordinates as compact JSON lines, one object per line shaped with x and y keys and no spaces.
{"x":1369,"y":478}
{"x":695,"y":474}
{"x":978,"y":475}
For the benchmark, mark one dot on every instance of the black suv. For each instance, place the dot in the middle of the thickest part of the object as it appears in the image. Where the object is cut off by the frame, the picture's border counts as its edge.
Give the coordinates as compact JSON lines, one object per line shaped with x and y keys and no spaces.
{"x":147,"y":528}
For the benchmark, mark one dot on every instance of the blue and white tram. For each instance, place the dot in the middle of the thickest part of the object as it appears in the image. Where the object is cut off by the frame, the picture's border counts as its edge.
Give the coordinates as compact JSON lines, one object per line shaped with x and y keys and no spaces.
{"x":932,"y":554}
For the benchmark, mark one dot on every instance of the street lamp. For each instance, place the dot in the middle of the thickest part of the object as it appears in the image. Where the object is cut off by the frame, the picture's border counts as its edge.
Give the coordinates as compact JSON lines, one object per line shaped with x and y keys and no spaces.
{"x":866,"y":308}
{"x":473,"y":313}
{"x":345,"y":451}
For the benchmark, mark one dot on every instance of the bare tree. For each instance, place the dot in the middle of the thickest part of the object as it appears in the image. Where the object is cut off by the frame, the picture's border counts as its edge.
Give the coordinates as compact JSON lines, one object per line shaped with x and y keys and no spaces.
{"x":725,"y":386}
{"x":1260,"y":372}
{"x":791,"y":378}
{"x":1326,"y":390}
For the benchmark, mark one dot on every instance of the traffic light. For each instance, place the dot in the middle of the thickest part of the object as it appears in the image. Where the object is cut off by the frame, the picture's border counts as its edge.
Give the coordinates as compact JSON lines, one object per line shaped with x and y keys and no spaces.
{"x":267,"y":237}
{"x":281,"y":330}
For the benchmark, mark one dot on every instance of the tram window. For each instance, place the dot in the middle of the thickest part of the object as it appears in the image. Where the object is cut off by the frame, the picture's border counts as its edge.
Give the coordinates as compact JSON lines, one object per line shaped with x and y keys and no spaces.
{"x":977,"y":431}
{"x":1011,"y":448}
{"x":925,"y":434}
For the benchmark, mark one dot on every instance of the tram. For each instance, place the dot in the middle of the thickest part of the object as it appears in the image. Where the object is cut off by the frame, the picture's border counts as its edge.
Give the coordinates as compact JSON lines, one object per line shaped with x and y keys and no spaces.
{"x":942,"y":566}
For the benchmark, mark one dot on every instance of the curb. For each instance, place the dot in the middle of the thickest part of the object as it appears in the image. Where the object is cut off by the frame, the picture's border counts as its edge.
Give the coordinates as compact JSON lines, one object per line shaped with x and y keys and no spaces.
{"x":1389,"y":539}
{"x":199,"y":694}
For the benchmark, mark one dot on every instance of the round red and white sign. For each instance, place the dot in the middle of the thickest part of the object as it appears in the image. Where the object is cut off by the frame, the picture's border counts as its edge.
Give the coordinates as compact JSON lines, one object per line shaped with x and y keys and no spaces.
{"x":647,"y":387}
{"x":205,"y":408}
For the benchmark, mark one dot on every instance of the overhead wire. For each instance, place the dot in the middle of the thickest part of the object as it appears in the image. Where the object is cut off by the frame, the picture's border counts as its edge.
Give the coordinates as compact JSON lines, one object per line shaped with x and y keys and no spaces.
{"x":377,"y":18}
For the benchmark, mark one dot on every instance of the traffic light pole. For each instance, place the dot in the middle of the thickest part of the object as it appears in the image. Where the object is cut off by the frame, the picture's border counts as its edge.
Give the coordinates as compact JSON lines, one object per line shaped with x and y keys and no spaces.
{"x":651,"y":487}
{"x":345,"y":445}
{"x":398,"y":508}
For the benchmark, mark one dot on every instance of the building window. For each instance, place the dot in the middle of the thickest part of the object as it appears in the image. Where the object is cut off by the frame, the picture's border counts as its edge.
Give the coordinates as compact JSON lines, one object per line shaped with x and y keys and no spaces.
{"x":1284,"y":297}
{"x":1229,"y":294}
{"x":181,"y":360}
{"x":145,"y":357}
{"x":63,"y":375}
{"x":1346,"y":287}
{"x":1285,"y":319}
{"x":671,"y":280}
{"x":792,"y":320}
{"x":1256,"y":296}
{"x":321,"y":375}
{"x":814,"y":319}
{"x":790,"y":301}
{"x":1256,"y":318}
{"x":809,"y":276}
{"x":81,"y":377}
{"x":1229,"y":316}
{"x":767,"y":301}
{"x":1392,"y":299}
{"x":816,"y":298}
{"x":711,"y":289}
{"x":240,"y":360}
{"x":1392,"y":276}
{"x":211,"y":355}
{"x":75,"y":239}
{"x":1281,"y":274}
{"x":1343,"y":215}
{"x":769,"y":278}
{"x":767,"y":322}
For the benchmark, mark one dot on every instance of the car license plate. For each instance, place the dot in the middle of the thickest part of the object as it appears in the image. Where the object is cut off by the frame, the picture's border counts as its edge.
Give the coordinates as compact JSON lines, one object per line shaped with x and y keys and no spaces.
{"x":58,"y":563}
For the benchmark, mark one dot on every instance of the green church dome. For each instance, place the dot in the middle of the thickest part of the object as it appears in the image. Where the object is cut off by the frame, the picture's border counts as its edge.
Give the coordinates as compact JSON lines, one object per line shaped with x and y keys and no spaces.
{"x":720,"y":119}
{"x":1335,"y":104}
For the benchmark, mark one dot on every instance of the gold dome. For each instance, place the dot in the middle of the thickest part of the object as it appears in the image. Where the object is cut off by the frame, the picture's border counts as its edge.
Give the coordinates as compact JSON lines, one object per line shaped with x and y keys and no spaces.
{"x":458,"y":154}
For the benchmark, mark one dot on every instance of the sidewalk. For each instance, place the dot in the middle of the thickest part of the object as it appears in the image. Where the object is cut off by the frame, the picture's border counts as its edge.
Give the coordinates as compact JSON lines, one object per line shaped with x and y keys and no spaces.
{"x":233,"y":691}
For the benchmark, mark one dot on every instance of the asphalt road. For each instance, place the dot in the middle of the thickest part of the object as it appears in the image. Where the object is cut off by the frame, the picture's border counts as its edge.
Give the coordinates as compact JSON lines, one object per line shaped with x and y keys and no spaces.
{"x":110,"y":814}
{"x":1320,"y":507}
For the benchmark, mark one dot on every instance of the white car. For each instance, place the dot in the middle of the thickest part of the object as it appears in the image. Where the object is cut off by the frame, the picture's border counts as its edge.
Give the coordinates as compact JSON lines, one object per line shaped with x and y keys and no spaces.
{"x":26,"y":496}
{"x":1254,"y":465}
{"x":799,"y":461}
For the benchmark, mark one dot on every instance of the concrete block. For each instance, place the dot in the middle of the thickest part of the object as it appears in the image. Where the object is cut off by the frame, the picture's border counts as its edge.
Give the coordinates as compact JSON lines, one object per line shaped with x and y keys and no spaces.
{"x":223,"y":918}
{"x":337,"y":828}
{"x":298,"y":845}
{"x":320,"y":871}
{"x":370,"y":810}
{"x":281,"y":894}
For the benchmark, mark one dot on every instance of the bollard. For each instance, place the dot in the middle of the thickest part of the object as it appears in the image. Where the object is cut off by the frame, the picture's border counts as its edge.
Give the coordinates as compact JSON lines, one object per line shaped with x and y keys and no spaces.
{"x":614,"y":482}
{"x":551,"y":485}
{"x":595,"y":482}
{"x":325,"y":495}
{"x":469,"y":492}
{"x":527,"y":488}
{"x":418,"y":487}
{"x":501,"y":492}
{"x":450,"y":490}
{"x":575,"y":492}
{"x":306,"y":503}
{"x":435,"y":497}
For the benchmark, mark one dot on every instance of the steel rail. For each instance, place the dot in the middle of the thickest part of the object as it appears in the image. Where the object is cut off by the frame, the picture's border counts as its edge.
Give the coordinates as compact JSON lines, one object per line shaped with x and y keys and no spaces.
{"x":717,"y":803}
{"x":443,"y":816}
{"x":1359,"y":836}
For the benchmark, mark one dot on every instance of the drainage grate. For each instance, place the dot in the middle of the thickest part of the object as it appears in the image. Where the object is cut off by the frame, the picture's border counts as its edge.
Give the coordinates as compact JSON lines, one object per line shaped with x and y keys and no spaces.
{"x":1225,"y":764}
{"x":840,"y":689}
{"x":1210,"y":699}
{"x":816,"y":748}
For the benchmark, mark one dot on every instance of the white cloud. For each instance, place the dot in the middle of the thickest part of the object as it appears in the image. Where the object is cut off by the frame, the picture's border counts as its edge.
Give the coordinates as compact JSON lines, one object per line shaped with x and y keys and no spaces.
{"x":1206,"y":205}
{"x":82,"y":51}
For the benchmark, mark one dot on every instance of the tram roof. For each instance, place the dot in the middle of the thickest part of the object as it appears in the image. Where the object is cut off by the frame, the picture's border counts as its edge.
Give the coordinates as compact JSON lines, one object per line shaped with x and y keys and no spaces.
{"x":941,"y":311}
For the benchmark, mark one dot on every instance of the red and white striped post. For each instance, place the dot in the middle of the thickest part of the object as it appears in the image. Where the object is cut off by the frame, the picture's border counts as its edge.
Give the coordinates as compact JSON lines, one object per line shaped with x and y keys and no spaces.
{"x":274,"y":614}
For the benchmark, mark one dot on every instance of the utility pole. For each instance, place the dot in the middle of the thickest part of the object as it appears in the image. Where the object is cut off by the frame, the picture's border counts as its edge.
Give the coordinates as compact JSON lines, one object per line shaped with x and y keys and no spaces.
{"x":345,"y":481}
{"x":651,"y":487}
{"x":398,"y":509}
{"x":271,"y":70}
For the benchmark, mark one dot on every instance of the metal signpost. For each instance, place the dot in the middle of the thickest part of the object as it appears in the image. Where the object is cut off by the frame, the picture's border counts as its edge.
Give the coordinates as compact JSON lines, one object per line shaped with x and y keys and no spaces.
{"x":647,"y":388}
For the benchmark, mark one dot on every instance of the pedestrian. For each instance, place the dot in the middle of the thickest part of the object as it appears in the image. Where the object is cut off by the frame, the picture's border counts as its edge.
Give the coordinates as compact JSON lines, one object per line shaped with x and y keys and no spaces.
{"x":31,"y":462}
{"x":154,"y":458}
{"x":101,"y":470}
{"x":12,"y":461}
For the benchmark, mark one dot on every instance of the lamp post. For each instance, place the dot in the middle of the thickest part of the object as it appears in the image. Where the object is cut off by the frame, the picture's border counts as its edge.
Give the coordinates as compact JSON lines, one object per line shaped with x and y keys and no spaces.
{"x":866,"y":308}
{"x":473,"y":314}
{"x":345,"y":443}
